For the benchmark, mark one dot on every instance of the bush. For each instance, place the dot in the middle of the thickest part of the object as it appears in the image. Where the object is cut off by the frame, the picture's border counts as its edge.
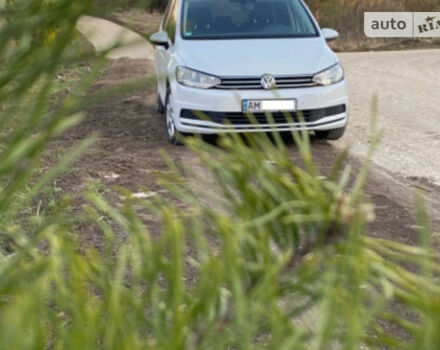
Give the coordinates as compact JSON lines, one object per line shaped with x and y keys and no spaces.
{"x":282,"y":262}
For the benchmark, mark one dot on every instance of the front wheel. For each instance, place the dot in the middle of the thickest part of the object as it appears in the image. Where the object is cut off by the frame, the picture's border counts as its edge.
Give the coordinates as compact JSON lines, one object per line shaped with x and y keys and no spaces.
{"x":174,"y":136}
{"x":330,"y":135}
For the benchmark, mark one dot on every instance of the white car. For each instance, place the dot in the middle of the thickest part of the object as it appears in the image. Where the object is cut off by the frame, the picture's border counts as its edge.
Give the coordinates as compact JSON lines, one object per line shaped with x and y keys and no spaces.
{"x":247,"y":66}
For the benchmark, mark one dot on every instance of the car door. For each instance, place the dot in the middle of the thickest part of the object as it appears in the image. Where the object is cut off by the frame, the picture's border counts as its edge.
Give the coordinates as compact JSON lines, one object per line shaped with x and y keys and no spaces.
{"x":164,"y":56}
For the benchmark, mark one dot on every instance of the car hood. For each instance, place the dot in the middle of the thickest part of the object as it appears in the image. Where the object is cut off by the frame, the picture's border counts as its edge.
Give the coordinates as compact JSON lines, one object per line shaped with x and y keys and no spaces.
{"x":298,"y":56}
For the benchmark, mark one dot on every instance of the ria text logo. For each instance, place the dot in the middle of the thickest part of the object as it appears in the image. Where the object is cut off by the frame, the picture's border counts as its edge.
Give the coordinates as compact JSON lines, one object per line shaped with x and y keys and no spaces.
{"x":431,"y":25}
{"x":402,"y":24}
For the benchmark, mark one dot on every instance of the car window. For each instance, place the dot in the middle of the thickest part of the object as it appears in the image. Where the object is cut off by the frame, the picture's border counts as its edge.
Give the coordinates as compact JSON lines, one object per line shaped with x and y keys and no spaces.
{"x":170,"y":20}
{"x":229,"y":19}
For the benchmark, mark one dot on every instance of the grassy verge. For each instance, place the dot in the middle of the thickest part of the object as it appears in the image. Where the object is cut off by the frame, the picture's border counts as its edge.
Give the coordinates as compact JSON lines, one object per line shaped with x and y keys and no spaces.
{"x":281,"y":261}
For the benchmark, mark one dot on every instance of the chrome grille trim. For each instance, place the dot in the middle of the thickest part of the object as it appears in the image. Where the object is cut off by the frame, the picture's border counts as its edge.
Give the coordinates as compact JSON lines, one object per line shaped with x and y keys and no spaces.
{"x":240,"y":118}
{"x":254,"y":83}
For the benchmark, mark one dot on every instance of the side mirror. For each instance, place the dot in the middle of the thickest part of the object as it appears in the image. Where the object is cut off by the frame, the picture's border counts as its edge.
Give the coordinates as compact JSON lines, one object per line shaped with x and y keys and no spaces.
{"x":160,"y":39}
{"x":330,"y":34}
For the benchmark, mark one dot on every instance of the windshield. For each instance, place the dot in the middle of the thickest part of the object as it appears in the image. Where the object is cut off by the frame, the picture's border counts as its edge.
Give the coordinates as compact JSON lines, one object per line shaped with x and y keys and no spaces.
{"x":245,"y":19}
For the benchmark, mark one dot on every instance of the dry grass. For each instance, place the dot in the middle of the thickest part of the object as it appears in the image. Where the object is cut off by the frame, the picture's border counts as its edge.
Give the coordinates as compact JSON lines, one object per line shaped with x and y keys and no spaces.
{"x":347,"y":16}
{"x":139,"y":20}
{"x":421,"y":5}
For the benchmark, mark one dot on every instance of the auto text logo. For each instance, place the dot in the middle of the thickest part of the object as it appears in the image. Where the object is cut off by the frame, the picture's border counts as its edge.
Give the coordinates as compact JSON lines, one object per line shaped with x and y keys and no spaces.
{"x":402,"y":24}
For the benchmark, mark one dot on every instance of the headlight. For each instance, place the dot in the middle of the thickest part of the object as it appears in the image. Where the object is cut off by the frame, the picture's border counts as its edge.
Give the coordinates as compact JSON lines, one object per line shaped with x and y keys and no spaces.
{"x":330,"y":76}
{"x":189,"y":77}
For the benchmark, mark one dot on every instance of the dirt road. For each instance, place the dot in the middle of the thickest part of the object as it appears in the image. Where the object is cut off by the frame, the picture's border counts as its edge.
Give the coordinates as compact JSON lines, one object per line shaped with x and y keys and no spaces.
{"x":408,"y":92}
{"x":408,"y":88}
{"x":408,"y":158}
{"x":105,"y":35}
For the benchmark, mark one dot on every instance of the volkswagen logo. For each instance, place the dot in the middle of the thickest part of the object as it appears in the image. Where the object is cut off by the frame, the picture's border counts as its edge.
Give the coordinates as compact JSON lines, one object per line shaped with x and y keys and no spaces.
{"x":268,"y":82}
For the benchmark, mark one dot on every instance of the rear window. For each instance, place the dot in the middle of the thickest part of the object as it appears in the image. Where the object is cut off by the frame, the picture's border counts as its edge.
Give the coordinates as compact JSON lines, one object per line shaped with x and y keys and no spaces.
{"x":238,"y":19}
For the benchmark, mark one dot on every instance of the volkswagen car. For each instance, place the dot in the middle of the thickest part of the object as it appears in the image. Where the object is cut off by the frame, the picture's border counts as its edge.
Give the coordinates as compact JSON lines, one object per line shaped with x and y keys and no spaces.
{"x":245,"y":66}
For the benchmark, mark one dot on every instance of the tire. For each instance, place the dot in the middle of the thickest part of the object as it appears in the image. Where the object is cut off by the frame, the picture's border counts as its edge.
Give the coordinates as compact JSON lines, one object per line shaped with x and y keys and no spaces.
{"x":174,"y":136}
{"x":330,"y":135}
{"x":160,"y":108}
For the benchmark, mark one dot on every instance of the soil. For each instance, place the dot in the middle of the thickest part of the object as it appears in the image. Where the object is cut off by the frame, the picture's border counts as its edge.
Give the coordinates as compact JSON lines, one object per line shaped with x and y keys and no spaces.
{"x":132,"y":134}
{"x":128,"y":154}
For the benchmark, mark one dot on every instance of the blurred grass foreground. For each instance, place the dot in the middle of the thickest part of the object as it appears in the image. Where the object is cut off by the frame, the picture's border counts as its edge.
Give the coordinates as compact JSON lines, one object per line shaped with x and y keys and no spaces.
{"x":283,"y":262}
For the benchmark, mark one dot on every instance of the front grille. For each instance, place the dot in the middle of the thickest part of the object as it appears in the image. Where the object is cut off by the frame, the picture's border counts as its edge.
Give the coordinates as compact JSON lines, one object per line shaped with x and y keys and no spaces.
{"x":238,"y":118}
{"x":254,"y":83}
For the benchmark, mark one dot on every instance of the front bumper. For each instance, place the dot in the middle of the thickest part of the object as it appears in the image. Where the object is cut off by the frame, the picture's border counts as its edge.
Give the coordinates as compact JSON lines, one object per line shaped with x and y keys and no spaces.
{"x":229,"y":103}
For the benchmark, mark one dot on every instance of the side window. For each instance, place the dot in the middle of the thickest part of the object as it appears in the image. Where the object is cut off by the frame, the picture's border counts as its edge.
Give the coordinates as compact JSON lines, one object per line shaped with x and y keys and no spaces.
{"x":170,"y":20}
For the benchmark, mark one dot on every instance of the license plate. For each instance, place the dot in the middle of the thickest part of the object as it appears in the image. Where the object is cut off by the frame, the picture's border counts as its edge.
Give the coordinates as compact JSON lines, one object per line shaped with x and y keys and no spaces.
{"x":254,"y":106}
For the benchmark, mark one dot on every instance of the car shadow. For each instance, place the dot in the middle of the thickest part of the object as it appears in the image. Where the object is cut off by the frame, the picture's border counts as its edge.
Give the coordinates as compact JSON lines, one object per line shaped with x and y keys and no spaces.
{"x":286,"y":137}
